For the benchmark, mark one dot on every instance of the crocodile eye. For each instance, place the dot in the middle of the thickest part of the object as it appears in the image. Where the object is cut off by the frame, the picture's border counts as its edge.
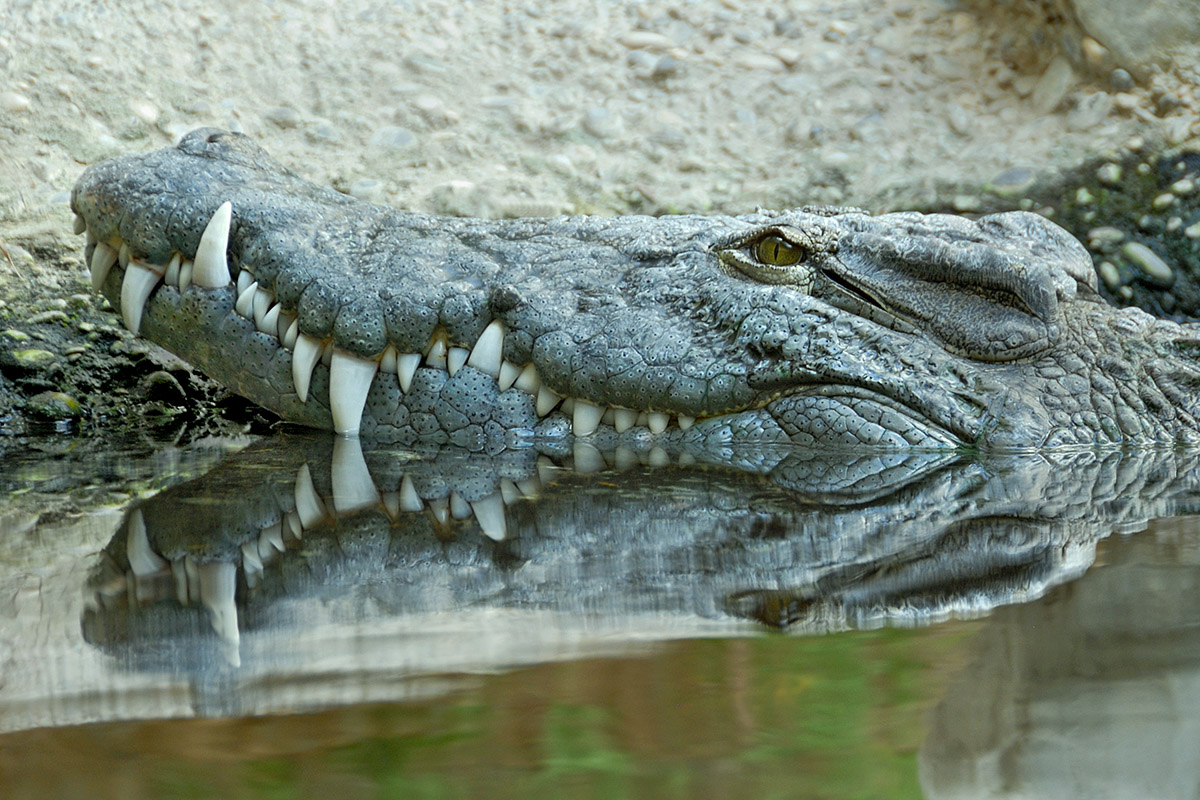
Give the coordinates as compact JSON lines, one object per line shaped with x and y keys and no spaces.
{"x":775,"y":251}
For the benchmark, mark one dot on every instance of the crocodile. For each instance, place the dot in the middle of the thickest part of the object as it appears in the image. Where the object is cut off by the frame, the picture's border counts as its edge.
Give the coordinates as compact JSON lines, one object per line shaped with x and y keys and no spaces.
{"x":821,"y":327}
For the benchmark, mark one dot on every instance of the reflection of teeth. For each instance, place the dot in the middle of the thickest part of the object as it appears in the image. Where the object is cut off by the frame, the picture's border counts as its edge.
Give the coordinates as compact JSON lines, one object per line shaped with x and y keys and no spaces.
{"x":179,"y":572}
{"x":686,"y":459}
{"x":509,"y":492}
{"x":252,"y":565}
{"x":530,"y":487}
{"x":587,"y":458}
{"x":304,"y":359}
{"x":211,"y":269}
{"x":409,"y":499}
{"x":140,"y":280}
{"x":308,"y":503}
{"x":103,"y":257}
{"x":142,"y":559}
{"x":658,"y":457}
{"x":293,"y":523}
{"x":486,"y":355}
{"x":489,"y":512}
{"x":686,"y":422}
{"x":192,"y":570}
{"x":349,"y":382}
{"x":218,"y":583}
{"x":624,"y":458}
{"x":270,"y":539}
{"x":546,"y":469}
{"x":353,"y":488}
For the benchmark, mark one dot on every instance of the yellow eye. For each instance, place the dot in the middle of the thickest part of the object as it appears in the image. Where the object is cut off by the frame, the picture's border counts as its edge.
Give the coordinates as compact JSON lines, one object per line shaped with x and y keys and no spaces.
{"x":775,"y":251}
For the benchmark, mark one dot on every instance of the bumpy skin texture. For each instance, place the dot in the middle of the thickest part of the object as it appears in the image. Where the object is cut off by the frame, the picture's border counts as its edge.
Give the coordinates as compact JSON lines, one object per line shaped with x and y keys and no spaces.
{"x":899,"y":330}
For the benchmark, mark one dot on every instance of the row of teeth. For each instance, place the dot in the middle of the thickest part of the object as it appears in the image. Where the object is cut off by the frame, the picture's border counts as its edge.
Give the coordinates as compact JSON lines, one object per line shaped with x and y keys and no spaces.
{"x":350,"y":376}
{"x":214,"y":584}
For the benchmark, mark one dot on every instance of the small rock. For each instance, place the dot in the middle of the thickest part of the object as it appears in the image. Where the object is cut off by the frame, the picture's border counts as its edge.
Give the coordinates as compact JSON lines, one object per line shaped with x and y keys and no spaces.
{"x":14,"y":103}
{"x":393,"y":137}
{"x":1090,"y":111}
{"x":1149,"y":262}
{"x":966,"y":203}
{"x":666,"y":67}
{"x":1126,"y":102}
{"x":284,"y":116}
{"x":1192,"y":231}
{"x":1099,"y":237}
{"x":32,"y":358}
{"x":1094,"y":53}
{"x":1052,"y":87}
{"x":367,"y":189}
{"x":144,"y":111}
{"x":1109,"y":174}
{"x":1121,"y":80}
{"x":1174,"y":224}
{"x":48,"y":316}
{"x":1183,"y":187}
{"x":1109,"y":274}
{"x":646,"y":40}
{"x":16,"y":335}
{"x":1083,"y":197}
{"x":1011,"y":182}
{"x":54,"y":405}
{"x":601,"y":124}
{"x":763,"y":61}
{"x":1163,"y":201}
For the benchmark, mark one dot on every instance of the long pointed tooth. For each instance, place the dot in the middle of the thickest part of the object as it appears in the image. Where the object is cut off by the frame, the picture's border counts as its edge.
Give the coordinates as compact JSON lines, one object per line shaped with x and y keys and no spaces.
{"x":686,"y":422}
{"x":244,"y":279}
{"x":251,"y":561}
{"x":124,"y":256}
{"x":437,"y":354}
{"x":80,"y":225}
{"x":309,"y":506}
{"x":142,"y":558}
{"x":270,"y":321}
{"x":271,"y":537}
{"x":455,"y":358}
{"x":192,"y":570}
{"x":327,"y":354}
{"x":624,"y":419}
{"x":286,"y":320}
{"x":657,"y":421}
{"x":293,"y":332}
{"x":409,"y":499}
{"x":509,"y":492}
{"x":387,"y":362}
{"x":186,"y":270}
{"x":406,"y":368}
{"x":391,"y":503}
{"x":349,"y":381}
{"x":212,"y":268}
{"x":488,"y":351}
{"x":304,"y":359}
{"x":103,"y":257}
{"x":528,"y":381}
{"x":459,"y":508}
{"x":353,"y":487}
{"x":509,"y":372}
{"x":295,"y":525}
{"x":135,"y":291}
{"x":262,"y":304}
{"x":218,"y":584}
{"x":179,"y":572}
{"x":440,"y":510}
{"x":546,"y":401}
{"x":245,"y":301}
{"x":489,"y":512}
{"x":171,"y":276}
{"x":586,"y":418}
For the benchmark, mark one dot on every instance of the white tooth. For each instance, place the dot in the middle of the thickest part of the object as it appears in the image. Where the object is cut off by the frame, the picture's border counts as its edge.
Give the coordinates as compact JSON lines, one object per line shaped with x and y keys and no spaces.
{"x":406,"y":368}
{"x":212,"y":269}
{"x":286,"y":320}
{"x":391,"y":502}
{"x":244,"y":279}
{"x":90,"y":240}
{"x":124,"y":256}
{"x":437,"y":354}
{"x":270,"y":321}
{"x":509,"y":373}
{"x":624,"y":458}
{"x":387,"y":362}
{"x":528,"y":381}
{"x":245,"y":301}
{"x":142,"y":559}
{"x":509,"y":492}
{"x":262,"y":304}
{"x":409,"y":499}
{"x":546,"y":401}
{"x":272,"y":537}
{"x":489,"y":512}
{"x":586,"y":417}
{"x":658,"y":457}
{"x":103,"y":257}
{"x":135,"y":291}
{"x":609,"y":416}
{"x":489,"y":347}
{"x":353,"y":488}
{"x":530,"y":486}
{"x":304,"y":358}
{"x":293,"y":332}
{"x":587,"y":458}
{"x":192,"y":570}
{"x":643,"y":419}
{"x":657,"y":421}
{"x":440,"y":510}
{"x":686,"y":459}
{"x":624,"y":419}
{"x":294,"y":524}
{"x":686,"y":422}
{"x":186,"y":270}
{"x":171,"y":276}
{"x":251,"y":562}
{"x":455,"y":359}
{"x":459,"y":508}
{"x":309,"y":505}
{"x":80,"y":225}
{"x":349,"y":382}
{"x":218,"y":584}
{"x":179,"y":572}
{"x":546,"y":469}
{"x":568,"y":407}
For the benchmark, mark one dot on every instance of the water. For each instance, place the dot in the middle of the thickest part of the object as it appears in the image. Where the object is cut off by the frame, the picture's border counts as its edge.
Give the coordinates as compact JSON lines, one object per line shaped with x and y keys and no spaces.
{"x":307,"y":617}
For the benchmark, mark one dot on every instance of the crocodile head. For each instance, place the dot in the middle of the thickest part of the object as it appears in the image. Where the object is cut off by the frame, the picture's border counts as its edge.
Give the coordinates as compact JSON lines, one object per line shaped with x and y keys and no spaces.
{"x":818,"y":327}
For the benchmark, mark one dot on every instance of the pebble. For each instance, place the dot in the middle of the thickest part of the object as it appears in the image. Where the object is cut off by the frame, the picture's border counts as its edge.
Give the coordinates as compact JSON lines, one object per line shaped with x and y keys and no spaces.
{"x":32,"y":358}
{"x":1126,"y":102}
{"x":1163,"y":201}
{"x":763,"y":61}
{"x":1011,"y":181}
{"x":1109,"y":174}
{"x":1109,"y":274}
{"x":393,"y":137}
{"x":146,"y":112}
{"x":49,"y":316}
{"x":1083,"y":197}
{"x":1090,"y":111}
{"x":55,"y":405}
{"x":1151,"y":265}
{"x":1094,"y":53}
{"x":367,"y":189}
{"x":966,"y":203}
{"x":646,"y":40}
{"x":600,"y":123}
{"x":666,"y":67}
{"x":1183,"y":187}
{"x":16,"y":335}
{"x":14,"y":103}
{"x":1052,"y":87}
{"x":1121,"y":80}
{"x":1192,"y":231}
{"x":285,"y":117}
{"x":1105,"y":236}
{"x":1174,"y":224}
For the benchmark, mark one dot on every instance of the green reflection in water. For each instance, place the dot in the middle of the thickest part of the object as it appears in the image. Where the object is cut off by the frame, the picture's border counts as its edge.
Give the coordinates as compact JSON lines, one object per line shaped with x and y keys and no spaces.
{"x":832,"y":717}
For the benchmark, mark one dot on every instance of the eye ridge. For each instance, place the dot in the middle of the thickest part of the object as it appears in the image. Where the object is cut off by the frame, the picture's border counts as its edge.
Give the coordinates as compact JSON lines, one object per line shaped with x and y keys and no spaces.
{"x":775,"y":251}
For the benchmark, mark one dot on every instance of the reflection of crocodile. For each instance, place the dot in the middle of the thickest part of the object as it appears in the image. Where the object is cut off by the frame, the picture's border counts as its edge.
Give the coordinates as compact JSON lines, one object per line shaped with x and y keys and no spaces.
{"x":829,"y":327}
{"x":810,"y":542}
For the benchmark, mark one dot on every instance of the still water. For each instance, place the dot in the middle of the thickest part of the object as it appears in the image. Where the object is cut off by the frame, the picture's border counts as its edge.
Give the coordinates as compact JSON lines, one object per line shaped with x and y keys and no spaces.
{"x":307,"y":617}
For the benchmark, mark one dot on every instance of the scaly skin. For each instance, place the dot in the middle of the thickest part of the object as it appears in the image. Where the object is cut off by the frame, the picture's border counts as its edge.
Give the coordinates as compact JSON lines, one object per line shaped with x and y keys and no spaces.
{"x":902,"y":330}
